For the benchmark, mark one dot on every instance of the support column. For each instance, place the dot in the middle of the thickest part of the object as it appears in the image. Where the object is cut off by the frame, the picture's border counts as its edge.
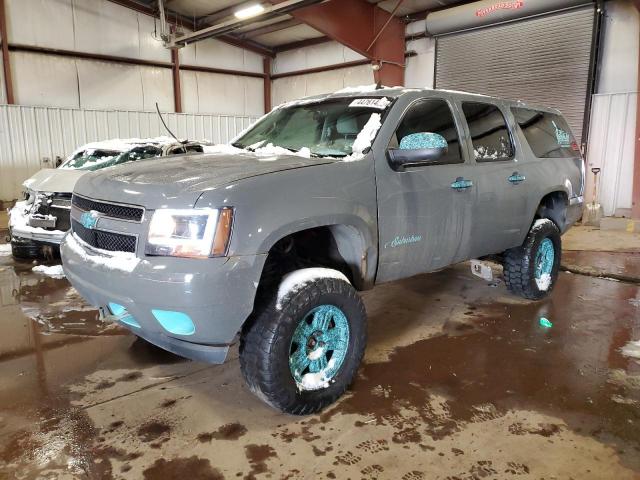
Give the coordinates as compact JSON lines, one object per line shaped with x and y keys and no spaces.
{"x":177,"y":91}
{"x":365,"y":28}
{"x":6,"y":65}
{"x":266,"y":63}
{"x":635,"y":198}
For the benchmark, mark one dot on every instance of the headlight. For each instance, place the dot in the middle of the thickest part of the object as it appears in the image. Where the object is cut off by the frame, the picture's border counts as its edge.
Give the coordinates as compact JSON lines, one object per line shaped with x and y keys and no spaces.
{"x":190,"y":233}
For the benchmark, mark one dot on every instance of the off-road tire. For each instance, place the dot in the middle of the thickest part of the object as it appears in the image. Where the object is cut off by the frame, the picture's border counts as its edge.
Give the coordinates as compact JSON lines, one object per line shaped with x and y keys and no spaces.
{"x":519,"y":268}
{"x":26,"y":250}
{"x":266,"y":341}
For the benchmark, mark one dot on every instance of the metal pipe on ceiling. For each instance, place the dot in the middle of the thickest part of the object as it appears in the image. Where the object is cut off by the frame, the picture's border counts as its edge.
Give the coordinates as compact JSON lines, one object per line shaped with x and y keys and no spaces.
{"x":234,"y":23}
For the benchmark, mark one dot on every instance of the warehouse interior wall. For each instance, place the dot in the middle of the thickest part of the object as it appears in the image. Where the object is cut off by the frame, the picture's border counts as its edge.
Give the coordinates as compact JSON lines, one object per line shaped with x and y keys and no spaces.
{"x":312,"y":57}
{"x":613,"y":114}
{"x":420,"y":66}
{"x":105,"y":28}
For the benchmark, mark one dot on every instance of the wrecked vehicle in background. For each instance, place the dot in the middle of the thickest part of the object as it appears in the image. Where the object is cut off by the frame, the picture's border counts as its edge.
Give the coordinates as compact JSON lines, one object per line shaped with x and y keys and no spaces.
{"x":273,"y":236}
{"x":38,"y":223}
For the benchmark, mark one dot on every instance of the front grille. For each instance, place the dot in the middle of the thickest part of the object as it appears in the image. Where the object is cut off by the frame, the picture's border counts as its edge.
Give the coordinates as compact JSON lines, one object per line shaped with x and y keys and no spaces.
{"x":113,"y":242}
{"x":109,"y":209}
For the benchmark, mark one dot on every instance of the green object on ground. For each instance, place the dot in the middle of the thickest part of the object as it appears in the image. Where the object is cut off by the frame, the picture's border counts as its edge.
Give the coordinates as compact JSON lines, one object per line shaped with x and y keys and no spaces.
{"x":544,"y":322}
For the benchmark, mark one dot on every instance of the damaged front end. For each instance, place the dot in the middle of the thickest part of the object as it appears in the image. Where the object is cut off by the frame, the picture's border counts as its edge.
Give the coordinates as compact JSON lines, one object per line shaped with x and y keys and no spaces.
{"x":38,"y":223}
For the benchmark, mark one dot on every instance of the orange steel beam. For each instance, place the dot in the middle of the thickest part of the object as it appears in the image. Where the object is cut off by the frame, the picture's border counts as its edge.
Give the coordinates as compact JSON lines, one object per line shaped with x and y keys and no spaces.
{"x":6,"y":65}
{"x":369,"y":30}
{"x":635,"y":198}
{"x":266,"y":63}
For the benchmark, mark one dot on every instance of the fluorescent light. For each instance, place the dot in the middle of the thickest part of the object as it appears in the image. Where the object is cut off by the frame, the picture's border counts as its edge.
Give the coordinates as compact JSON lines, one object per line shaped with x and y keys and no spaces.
{"x":250,"y":11}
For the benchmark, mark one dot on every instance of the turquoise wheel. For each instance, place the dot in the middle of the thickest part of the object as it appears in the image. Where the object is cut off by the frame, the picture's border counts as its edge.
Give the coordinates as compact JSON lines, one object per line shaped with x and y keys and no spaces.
{"x":544,"y":262}
{"x":318,"y":347}
{"x":302,"y":349}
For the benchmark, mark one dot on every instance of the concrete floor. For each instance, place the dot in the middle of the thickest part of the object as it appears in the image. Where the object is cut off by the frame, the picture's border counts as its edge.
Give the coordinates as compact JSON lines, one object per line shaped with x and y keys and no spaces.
{"x":460,"y":381}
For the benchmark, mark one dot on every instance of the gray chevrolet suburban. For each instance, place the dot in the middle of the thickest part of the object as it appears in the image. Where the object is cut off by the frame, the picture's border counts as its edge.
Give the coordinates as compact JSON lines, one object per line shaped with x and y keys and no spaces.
{"x":269,"y":239}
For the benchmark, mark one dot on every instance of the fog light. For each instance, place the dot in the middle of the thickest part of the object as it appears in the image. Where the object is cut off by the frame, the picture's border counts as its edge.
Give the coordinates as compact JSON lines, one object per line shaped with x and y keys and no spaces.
{"x":123,"y":316}
{"x":177,"y":323}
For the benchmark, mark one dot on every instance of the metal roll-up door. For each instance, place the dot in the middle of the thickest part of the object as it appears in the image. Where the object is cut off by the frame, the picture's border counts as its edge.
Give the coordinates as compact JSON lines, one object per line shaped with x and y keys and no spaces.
{"x":542,"y":60}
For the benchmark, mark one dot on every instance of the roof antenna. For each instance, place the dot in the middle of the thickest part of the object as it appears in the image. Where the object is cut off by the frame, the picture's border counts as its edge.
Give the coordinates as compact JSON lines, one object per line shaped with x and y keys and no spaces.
{"x":170,"y":132}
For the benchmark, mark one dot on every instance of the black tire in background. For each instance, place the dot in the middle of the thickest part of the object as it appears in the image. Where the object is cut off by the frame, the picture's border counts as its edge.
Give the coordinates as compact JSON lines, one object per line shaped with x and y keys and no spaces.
{"x":267,"y":338}
{"x":519,"y":263}
{"x":25,"y":249}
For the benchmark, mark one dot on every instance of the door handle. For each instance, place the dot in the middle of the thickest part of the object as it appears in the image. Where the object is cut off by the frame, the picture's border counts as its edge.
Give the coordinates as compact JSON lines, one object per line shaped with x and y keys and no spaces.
{"x":461,"y":184}
{"x":516,"y":178}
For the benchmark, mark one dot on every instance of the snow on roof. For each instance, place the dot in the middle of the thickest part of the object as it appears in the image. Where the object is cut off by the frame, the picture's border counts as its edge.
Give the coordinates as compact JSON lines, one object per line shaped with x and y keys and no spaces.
{"x":125,"y":144}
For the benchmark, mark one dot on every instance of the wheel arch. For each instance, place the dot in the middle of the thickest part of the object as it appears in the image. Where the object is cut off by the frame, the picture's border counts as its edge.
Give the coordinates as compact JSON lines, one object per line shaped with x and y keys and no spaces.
{"x":346,"y":243}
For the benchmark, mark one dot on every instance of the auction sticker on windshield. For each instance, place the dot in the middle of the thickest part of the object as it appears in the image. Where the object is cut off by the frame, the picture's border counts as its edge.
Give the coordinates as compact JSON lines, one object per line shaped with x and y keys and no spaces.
{"x":380,"y":103}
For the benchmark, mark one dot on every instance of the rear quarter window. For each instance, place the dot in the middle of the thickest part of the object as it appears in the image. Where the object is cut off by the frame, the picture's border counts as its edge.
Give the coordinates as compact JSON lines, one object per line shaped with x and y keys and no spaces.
{"x":548,"y":134}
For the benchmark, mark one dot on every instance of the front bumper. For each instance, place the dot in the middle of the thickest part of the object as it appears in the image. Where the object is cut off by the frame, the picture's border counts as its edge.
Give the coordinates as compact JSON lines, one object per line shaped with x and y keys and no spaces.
{"x":217,"y":294}
{"x":20,"y":228}
{"x":50,"y":237}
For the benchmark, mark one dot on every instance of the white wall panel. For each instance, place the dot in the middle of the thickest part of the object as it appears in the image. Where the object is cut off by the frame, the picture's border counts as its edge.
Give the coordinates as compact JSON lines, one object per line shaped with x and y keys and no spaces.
{"x":44,"y":80}
{"x":611,"y":147}
{"x":28,"y":135}
{"x":105,"y":85}
{"x":42,"y":23}
{"x":324,"y":82}
{"x":150,"y":48}
{"x":297,"y":86}
{"x":189,"y":89}
{"x":157,"y":86}
{"x":355,"y":76}
{"x":207,"y":93}
{"x":618,"y":71}
{"x":288,"y":88}
{"x":214,"y":53}
{"x":254,"y":96}
{"x":330,"y":53}
{"x":220,"y":93}
{"x":420,"y":69}
{"x":106,"y":28}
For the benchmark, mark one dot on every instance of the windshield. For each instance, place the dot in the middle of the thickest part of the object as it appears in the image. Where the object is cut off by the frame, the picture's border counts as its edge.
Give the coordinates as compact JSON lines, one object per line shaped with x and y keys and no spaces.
{"x":98,"y":159}
{"x":326,"y":128}
{"x":89,"y":157}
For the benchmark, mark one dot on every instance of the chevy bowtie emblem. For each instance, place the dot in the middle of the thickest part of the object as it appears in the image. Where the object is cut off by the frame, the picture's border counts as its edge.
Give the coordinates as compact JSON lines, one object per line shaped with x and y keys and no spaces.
{"x":89,"y":219}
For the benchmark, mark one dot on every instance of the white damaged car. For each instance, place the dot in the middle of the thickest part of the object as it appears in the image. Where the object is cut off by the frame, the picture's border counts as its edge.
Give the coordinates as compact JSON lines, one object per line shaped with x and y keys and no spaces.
{"x":38,"y":222}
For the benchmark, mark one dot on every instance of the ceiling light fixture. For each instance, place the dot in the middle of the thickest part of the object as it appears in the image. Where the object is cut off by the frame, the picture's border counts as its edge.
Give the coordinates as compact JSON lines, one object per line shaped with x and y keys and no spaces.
{"x":249,"y":11}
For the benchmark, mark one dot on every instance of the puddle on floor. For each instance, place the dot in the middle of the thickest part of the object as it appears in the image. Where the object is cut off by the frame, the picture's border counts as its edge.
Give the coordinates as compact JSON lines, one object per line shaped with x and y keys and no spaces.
{"x":449,"y":357}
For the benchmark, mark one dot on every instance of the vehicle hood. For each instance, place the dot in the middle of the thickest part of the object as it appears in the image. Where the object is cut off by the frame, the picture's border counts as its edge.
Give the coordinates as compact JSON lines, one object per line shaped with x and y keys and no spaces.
{"x":54,"y":180}
{"x":179,"y":180}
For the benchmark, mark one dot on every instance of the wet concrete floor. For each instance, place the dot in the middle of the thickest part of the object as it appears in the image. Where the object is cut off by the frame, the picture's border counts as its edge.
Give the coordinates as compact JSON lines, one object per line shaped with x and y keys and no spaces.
{"x":460,"y":381}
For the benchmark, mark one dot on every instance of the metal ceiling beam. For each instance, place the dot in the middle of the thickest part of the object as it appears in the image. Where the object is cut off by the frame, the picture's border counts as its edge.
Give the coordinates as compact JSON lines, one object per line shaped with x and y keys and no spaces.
{"x":365,"y":28}
{"x":233,"y":23}
{"x":274,"y":27}
{"x":230,"y":39}
{"x":301,"y":44}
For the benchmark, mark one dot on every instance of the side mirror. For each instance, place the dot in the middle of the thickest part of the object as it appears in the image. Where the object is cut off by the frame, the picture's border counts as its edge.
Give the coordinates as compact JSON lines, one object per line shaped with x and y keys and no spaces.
{"x":417,"y":149}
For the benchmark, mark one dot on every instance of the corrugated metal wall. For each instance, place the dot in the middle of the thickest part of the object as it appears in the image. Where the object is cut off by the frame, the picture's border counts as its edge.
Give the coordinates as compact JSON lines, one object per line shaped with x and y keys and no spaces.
{"x":541,"y":60}
{"x":611,"y":147}
{"x":29,"y":135}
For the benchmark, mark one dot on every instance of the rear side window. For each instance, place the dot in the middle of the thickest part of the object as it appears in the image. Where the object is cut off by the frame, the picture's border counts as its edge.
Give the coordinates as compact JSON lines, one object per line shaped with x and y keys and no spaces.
{"x":548,"y":134}
{"x":433,"y":116}
{"x":489,"y":132}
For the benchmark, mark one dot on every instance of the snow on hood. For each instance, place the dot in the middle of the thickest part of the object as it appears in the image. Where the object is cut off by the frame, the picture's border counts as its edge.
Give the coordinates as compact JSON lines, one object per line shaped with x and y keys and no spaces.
{"x":270,"y":150}
{"x":54,"y":180}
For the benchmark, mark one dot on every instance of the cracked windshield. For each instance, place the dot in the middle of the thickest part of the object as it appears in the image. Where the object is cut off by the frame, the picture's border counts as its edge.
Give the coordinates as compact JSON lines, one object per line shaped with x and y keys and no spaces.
{"x":327,"y":129}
